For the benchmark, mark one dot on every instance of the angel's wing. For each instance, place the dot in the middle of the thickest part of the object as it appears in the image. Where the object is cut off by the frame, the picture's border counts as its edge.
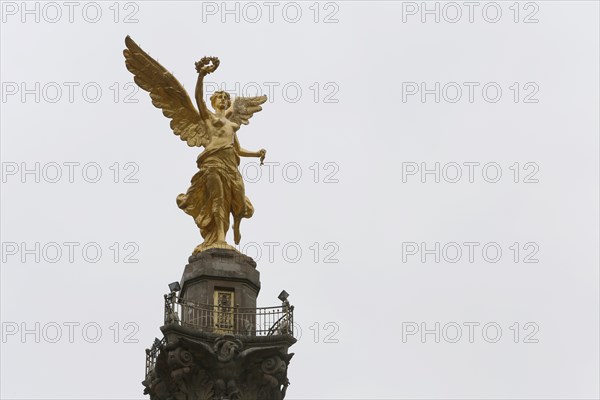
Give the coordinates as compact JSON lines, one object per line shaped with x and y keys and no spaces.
{"x":166,"y":93}
{"x":243,"y":108}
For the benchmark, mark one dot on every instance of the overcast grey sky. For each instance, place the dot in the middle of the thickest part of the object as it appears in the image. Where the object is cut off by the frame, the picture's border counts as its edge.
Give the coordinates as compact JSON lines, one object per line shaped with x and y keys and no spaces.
{"x":429,"y":199}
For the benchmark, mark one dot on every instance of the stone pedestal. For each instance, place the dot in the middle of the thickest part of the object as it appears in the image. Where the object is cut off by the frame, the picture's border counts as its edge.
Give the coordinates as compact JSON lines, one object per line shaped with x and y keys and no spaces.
{"x":223,"y":269}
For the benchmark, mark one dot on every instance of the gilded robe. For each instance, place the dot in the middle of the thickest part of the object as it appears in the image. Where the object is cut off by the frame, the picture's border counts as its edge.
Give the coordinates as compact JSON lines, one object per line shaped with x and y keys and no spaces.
{"x":217,"y":189}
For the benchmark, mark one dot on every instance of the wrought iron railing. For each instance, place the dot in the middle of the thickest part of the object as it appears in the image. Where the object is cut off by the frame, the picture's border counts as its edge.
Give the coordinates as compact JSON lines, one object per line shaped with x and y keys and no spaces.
{"x":152,"y":353}
{"x":265,"y":321}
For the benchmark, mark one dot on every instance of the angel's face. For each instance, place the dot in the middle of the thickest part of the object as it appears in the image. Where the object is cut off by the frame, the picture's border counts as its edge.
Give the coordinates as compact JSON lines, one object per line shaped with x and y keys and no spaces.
{"x":220,"y":101}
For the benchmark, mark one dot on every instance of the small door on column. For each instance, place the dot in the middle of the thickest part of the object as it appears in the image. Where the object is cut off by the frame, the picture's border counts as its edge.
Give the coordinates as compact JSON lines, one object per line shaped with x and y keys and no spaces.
{"x":224,"y":307}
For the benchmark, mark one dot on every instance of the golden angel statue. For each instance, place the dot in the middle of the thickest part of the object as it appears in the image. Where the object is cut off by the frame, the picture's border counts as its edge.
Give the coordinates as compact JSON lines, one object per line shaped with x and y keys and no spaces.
{"x":217,"y":189}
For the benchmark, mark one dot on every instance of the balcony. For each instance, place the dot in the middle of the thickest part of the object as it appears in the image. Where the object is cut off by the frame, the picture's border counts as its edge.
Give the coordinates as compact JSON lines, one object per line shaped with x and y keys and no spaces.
{"x":221,"y":320}
{"x":265,"y":321}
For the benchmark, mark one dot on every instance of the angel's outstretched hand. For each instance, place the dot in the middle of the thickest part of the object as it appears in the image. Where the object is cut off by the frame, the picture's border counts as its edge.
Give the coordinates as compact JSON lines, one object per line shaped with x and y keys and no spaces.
{"x":262,"y":153}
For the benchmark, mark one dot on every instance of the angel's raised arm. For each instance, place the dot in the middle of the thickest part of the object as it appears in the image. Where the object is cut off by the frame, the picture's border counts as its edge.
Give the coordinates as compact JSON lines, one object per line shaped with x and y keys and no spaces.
{"x":204,"y":113}
{"x":204,"y":67}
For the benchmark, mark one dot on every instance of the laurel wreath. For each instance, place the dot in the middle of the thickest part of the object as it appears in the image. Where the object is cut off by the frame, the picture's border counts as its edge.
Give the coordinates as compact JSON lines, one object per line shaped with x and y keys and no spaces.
{"x":207,"y":64}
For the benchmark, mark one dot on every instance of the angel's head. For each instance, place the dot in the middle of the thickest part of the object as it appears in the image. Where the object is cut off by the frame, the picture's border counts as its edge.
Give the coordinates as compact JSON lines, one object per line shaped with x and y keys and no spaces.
{"x":220,"y":100}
